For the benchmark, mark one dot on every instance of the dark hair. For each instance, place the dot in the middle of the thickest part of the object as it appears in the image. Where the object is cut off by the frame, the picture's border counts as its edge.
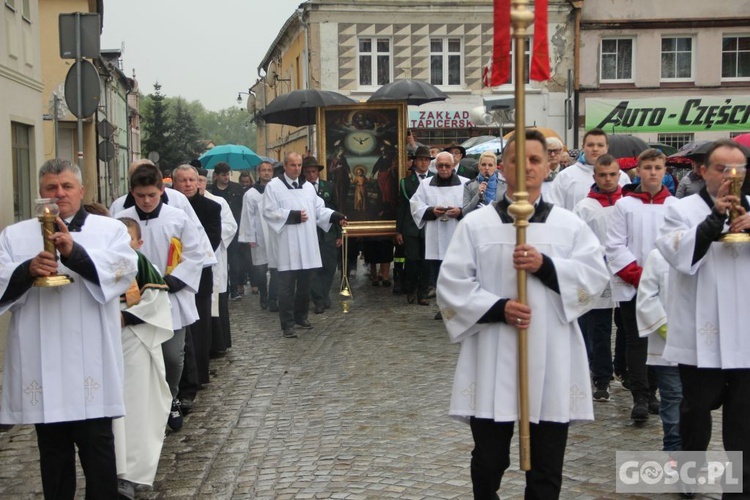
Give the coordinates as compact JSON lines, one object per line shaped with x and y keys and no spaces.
{"x":132,"y":224}
{"x":196,"y":163}
{"x":605,"y":160}
{"x":531,"y":135}
{"x":595,"y":131}
{"x":651,"y":154}
{"x":202,"y":171}
{"x":222,"y":168}
{"x":146,"y":175}
{"x":726,"y":143}
{"x":245,"y":173}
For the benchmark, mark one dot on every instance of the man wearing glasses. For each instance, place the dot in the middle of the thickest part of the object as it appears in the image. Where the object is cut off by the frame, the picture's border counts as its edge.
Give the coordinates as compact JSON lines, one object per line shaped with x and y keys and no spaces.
{"x":554,"y":154}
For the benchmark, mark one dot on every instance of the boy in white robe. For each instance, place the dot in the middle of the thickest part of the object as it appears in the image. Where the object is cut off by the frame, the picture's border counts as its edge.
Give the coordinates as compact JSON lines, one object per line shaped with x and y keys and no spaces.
{"x":633,"y":227}
{"x":147,"y":323}
{"x":476,"y":290}
{"x":63,"y":360}
{"x":572,"y":184}
{"x":707,"y":310}
{"x":652,"y":324}
{"x":164,"y":229}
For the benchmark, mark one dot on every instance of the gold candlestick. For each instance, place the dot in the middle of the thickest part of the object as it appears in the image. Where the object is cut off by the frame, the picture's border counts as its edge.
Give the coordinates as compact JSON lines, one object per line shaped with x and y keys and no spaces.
{"x":345,"y":294}
{"x":736,"y":176}
{"x":521,"y":18}
{"x":47,"y":212}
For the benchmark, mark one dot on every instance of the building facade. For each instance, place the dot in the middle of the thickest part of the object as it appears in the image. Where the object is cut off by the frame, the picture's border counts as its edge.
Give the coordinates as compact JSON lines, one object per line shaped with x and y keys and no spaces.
{"x":355,"y":47}
{"x":666,"y":73}
{"x":21,"y":137}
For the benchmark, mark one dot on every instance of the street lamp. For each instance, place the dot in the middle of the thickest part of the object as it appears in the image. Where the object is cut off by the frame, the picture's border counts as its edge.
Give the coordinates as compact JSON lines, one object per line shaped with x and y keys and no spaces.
{"x":239,"y":96}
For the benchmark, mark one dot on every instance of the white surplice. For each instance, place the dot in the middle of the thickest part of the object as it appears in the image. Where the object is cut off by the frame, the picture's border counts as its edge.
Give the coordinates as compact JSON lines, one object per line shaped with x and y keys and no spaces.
{"x":139,"y":435}
{"x":63,"y":359}
{"x":633,"y":228}
{"x":650,"y":303}
{"x":157,"y":234}
{"x":476,"y":272}
{"x":438,"y":232}
{"x":573,"y":184}
{"x":297,"y":244}
{"x":253,"y":226}
{"x":176,"y":200}
{"x":708,"y":316}
{"x":597,"y":217}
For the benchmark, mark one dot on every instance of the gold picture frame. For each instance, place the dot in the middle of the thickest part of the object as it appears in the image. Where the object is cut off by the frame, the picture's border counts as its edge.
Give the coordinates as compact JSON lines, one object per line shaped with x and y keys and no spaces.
{"x":363,"y":148}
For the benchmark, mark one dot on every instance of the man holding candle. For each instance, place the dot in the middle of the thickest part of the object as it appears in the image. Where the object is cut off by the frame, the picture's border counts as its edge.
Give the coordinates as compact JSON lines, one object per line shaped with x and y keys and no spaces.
{"x":707,"y":309}
{"x":63,"y":365}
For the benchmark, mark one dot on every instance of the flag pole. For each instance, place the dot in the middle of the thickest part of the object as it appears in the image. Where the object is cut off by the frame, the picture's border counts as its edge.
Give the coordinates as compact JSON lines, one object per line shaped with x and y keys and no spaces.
{"x":521,"y":210}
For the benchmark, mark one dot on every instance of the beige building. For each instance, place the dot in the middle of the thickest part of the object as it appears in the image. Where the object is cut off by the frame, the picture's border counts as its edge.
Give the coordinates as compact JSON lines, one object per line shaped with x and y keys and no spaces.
{"x":355,"y":47}
{"x":21,"y":137}
{"x":671,"y":72}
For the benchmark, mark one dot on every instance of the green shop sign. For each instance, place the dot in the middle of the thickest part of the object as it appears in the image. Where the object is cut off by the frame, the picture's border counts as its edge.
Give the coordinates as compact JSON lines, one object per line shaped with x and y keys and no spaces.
{"x":669,"y":114}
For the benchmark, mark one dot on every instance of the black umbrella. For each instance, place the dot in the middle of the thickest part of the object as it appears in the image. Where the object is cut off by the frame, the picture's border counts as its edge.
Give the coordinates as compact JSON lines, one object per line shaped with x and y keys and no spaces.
{"x":692,"y":149}
{"x":413,"y":92}
{"x":626,"y":146}
{"x":298,"y":107}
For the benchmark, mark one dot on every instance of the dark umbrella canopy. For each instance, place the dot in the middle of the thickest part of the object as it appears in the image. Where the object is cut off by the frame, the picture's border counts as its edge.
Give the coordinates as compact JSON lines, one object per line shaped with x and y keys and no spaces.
{"x":413,"y":92}
{"x":626,"y":146}
{"x":298,"y":107}
{"x":664,"y":148}
{"x":692,"y":149}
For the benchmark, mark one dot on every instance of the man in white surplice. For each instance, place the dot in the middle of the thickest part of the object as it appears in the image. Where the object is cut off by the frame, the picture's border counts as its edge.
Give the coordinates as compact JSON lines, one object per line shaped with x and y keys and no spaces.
{"x":293,"y":209}
{"x":476,"y":293}
{"x":63,"y":361}
{"x":707,"y":307}
{"x":436,"y":206}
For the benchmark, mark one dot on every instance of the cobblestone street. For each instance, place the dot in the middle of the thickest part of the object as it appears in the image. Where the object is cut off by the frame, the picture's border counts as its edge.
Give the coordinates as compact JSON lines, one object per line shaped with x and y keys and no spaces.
{"x":355,"y":408}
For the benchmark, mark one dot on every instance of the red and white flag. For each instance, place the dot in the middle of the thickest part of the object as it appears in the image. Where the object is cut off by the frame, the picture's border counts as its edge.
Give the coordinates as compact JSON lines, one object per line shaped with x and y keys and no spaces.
{"x":499,"y":68}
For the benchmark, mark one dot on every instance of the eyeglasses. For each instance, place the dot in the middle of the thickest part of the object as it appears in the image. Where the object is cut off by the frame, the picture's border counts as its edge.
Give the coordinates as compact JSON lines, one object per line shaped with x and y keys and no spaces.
{"x":444,"y":165}
{"x":554,"y":151}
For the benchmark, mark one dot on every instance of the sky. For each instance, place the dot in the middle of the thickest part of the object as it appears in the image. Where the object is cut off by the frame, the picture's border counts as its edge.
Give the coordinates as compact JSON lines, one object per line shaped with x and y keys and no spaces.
{"x":200,"y":50}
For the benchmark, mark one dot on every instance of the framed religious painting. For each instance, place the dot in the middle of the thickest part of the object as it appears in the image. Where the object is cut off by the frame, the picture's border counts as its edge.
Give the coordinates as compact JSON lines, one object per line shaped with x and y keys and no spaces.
{"x":364,"y":146}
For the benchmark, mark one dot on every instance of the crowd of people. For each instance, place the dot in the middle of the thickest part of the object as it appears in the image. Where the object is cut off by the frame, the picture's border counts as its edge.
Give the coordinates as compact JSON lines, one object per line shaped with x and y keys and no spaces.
{"x":152,"y":277}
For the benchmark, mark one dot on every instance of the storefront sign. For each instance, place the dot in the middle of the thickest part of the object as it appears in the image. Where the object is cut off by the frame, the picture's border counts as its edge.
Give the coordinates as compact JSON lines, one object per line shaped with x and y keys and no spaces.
{"x":451,"y":118}
{"x":669,"y":114}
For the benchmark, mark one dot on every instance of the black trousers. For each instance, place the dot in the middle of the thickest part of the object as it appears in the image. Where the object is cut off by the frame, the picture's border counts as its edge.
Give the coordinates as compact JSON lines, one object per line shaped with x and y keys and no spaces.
{"x":221,"y":330}
{"x":620,"y":364}
{"x":294,"y":296}
{"x":96,"y":449}
{"x":273,"y":286}
{"x":417,"y":270}
{"x":707,"y":389}
{"x":491,"y":457}
{"x":636,"y":350}
{"x":258,"y":278}
{"x":235,"y":265}
{"x":323,"y":280}
{"x":189,"y":382}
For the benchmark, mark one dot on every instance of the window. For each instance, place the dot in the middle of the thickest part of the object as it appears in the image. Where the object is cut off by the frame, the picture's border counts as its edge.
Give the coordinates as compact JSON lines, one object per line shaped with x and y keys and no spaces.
{"x":374,"y":61}
{"x":26,"y":13}
{"x":735,"y":57}
{"x":675,"y":140}
{"x":445,"y":61}
{"x":11,"y":4}
{"x":21,"y":159}
{"x":617,"y":59}
{"x":677,"y":58}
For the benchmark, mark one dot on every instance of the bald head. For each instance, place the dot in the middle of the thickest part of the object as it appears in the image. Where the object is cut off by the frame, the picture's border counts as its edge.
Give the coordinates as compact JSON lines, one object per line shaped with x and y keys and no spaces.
{"x":138,"y":163}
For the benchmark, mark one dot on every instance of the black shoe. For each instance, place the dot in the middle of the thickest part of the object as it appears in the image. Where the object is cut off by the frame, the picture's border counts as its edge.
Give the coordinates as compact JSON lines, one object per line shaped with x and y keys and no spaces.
{"x":653,"y":404}
{"x":273,"y":307}
{"x":423,"y":302}
{"x":263,"y":304}
{"x":639,"y":414}
{"x":186,"y":405}
{"x":439,"y":315}
{"x":125,"y":489}
{"x":304,"y":324}
{"x":289,"y":333}
{"x":319,"y":308}
{"x":327,"y":305}
{"x":397,"y":290}
{"x":386,"y":282}
{"x":175,"y":416}
{"x":601,"y":394}
{"x":411,"y":298}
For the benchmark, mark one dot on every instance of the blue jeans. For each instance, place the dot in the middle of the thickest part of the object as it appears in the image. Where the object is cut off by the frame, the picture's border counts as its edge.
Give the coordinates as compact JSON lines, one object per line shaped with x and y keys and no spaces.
{"x":670,"y":390}
{"x":596,"y":326}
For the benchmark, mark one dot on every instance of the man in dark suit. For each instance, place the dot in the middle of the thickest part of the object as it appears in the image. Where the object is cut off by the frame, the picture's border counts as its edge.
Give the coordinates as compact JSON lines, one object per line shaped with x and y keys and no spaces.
{"x":328,"y":241}
{"x":417,"y":272}
{"x":198,"y":336}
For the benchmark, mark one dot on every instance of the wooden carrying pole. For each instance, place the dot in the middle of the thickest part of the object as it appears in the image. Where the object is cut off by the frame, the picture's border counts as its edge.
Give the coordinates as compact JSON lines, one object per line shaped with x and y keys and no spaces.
{"x":521,"y":210}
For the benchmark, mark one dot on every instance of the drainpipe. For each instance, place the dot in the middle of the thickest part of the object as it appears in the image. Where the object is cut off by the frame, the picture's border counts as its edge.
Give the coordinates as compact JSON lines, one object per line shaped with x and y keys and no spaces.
{"x":306,"y":68}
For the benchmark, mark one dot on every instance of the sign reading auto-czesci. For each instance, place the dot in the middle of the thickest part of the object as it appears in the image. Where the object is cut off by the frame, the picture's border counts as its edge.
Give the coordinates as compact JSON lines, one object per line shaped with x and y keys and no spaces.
{"x":440,"y":118}
{"x":669,"y":114}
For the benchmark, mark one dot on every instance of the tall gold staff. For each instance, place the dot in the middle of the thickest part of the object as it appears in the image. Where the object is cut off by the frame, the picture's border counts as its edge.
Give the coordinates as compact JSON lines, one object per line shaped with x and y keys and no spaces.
{"x":521,"y":210}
